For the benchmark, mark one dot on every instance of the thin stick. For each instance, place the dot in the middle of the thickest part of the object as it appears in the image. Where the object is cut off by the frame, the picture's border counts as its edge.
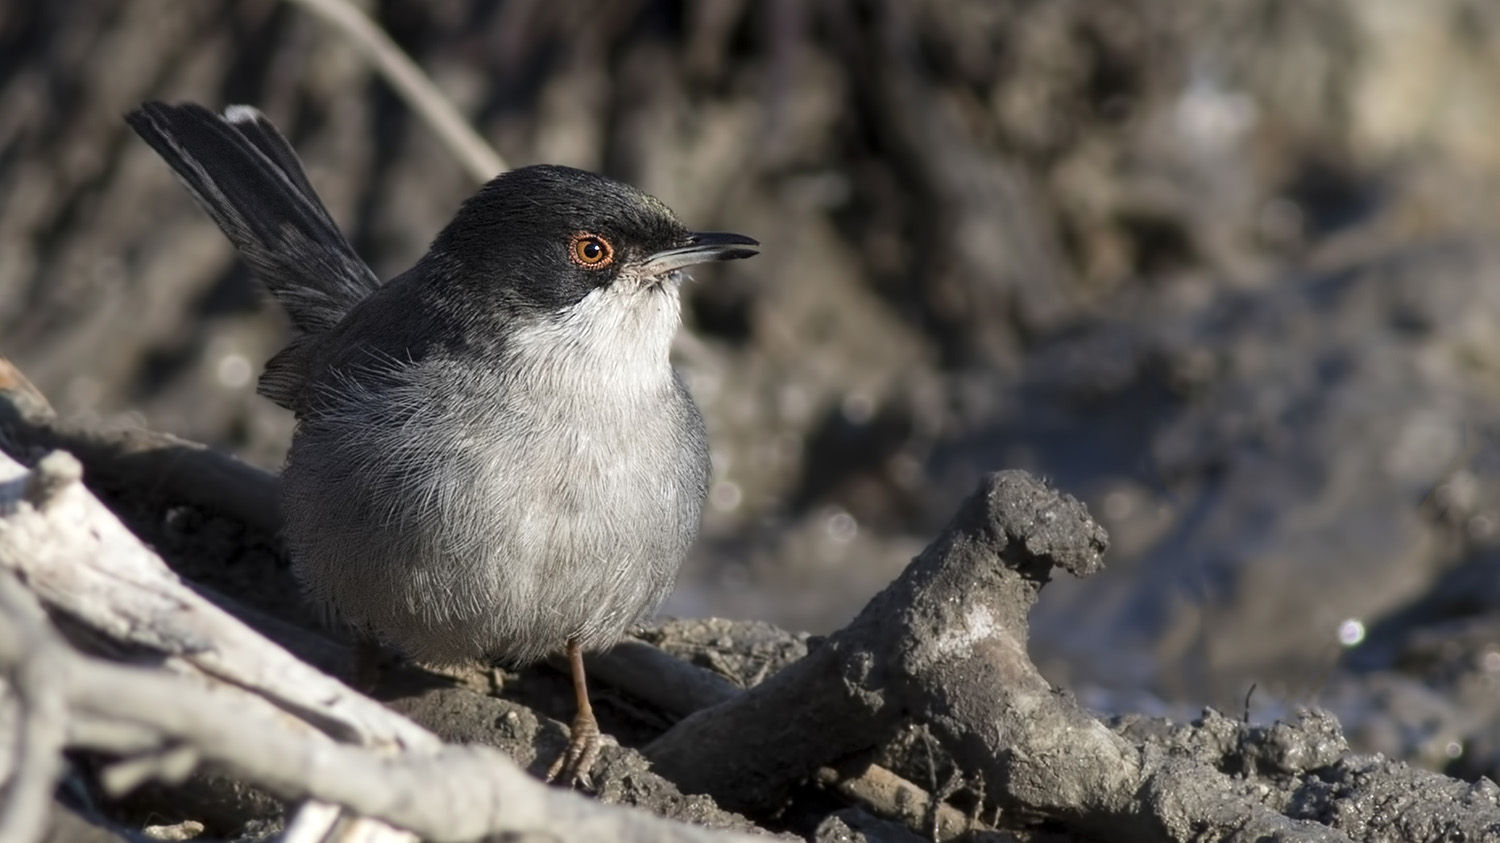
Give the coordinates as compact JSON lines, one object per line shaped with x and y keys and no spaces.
{"x":41,"y":722}
{"x":412,"y":85}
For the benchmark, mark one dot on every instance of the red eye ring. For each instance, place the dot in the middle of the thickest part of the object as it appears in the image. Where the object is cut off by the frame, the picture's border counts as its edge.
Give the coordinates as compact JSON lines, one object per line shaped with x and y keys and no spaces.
{"x":590,"y":251}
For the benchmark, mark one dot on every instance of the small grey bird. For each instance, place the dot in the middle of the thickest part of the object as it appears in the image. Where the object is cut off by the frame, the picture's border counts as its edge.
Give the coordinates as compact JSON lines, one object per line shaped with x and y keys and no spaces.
{"x":493,"y":456}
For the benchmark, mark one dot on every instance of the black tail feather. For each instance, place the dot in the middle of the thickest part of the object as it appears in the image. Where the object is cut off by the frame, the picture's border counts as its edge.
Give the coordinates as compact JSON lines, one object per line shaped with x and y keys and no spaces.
{"x":247,"y":178}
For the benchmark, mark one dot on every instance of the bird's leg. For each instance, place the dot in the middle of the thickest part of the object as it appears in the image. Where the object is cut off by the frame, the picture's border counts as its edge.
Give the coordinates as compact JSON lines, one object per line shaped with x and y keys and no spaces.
{"x":583,"y":736}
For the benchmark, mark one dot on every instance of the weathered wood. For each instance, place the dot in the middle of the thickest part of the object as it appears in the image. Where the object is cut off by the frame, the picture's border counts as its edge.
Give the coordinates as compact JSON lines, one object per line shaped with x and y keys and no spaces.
{"x":254,"y":710}
{"x":945,"y":645}
{"x":141,"y":459}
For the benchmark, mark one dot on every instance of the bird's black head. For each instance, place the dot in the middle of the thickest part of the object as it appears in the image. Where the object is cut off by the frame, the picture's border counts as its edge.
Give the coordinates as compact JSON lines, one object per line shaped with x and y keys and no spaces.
{"x":546,"y":236}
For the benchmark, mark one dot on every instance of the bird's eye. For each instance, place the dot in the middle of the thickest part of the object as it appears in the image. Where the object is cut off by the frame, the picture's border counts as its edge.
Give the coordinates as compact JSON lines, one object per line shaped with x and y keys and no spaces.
{"x":590,"y":251}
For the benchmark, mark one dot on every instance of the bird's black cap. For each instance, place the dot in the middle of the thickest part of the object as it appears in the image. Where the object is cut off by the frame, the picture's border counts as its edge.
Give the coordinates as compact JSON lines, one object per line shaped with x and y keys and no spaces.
{"x":547,"y":235}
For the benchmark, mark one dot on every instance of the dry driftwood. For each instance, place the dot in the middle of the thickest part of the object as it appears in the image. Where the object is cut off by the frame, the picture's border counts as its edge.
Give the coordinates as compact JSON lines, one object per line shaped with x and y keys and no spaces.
{"x":270,"y":719}
{"x":945,"y":645}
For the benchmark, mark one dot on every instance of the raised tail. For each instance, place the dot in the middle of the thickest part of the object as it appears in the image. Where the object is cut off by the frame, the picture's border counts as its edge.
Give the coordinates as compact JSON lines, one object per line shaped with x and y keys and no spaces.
{"x":246,"y":176}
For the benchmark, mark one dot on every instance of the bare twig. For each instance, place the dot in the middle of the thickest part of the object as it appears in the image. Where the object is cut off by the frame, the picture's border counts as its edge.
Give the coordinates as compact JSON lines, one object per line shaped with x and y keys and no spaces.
{"x":411,"y":84}
{"x":41,"y":723}
{"x":893,"y":798}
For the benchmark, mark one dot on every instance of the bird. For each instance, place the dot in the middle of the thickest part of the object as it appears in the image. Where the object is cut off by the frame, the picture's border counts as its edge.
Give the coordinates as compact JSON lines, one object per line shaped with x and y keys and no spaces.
{"x":493,"y":457}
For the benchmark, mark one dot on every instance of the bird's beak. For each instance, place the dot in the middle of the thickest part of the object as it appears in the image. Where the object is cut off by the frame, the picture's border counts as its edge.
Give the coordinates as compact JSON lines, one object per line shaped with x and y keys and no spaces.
{"x":702,"y":247}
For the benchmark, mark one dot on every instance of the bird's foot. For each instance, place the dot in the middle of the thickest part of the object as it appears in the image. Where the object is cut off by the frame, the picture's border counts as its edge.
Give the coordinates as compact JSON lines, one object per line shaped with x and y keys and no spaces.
{"x":578,"y":760}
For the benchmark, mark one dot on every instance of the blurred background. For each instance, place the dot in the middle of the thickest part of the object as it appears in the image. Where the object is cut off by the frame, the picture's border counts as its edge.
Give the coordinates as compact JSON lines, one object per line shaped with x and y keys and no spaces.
{"x":1224,"y":270}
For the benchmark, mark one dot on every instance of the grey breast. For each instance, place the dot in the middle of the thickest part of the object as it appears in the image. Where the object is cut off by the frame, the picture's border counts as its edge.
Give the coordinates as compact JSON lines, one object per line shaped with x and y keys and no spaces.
{"x":458,"y":513}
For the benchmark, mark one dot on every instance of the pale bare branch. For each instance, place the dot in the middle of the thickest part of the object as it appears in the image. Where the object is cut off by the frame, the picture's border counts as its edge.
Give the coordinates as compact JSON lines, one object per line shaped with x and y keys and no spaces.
{"x":411,"y":84}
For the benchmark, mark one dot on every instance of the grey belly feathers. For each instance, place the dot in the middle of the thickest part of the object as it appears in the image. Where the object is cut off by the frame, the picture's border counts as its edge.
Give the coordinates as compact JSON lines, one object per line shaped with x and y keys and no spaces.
{"x":462,"y":511}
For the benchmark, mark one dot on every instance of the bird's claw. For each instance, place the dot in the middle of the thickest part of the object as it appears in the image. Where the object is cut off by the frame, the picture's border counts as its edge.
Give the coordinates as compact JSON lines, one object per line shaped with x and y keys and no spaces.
{"x":578,"y":760}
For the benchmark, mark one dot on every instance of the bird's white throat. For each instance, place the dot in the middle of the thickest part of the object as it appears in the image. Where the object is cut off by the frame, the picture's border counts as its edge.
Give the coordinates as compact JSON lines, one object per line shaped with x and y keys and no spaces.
{"x":614,"y":341}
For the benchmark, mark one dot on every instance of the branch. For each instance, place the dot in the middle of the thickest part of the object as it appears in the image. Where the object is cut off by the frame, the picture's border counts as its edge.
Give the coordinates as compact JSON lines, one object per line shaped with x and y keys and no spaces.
{"x":411,"y":84}
{"x":78,"y":558}
{"x":40,"y":727}
{"x":457,"y":793}
{"x":336,"y":748}
{"x":945,"y":644}
{"x":678,"y":688}
{"x":174,"y":468}
{"x":658,"y":678}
